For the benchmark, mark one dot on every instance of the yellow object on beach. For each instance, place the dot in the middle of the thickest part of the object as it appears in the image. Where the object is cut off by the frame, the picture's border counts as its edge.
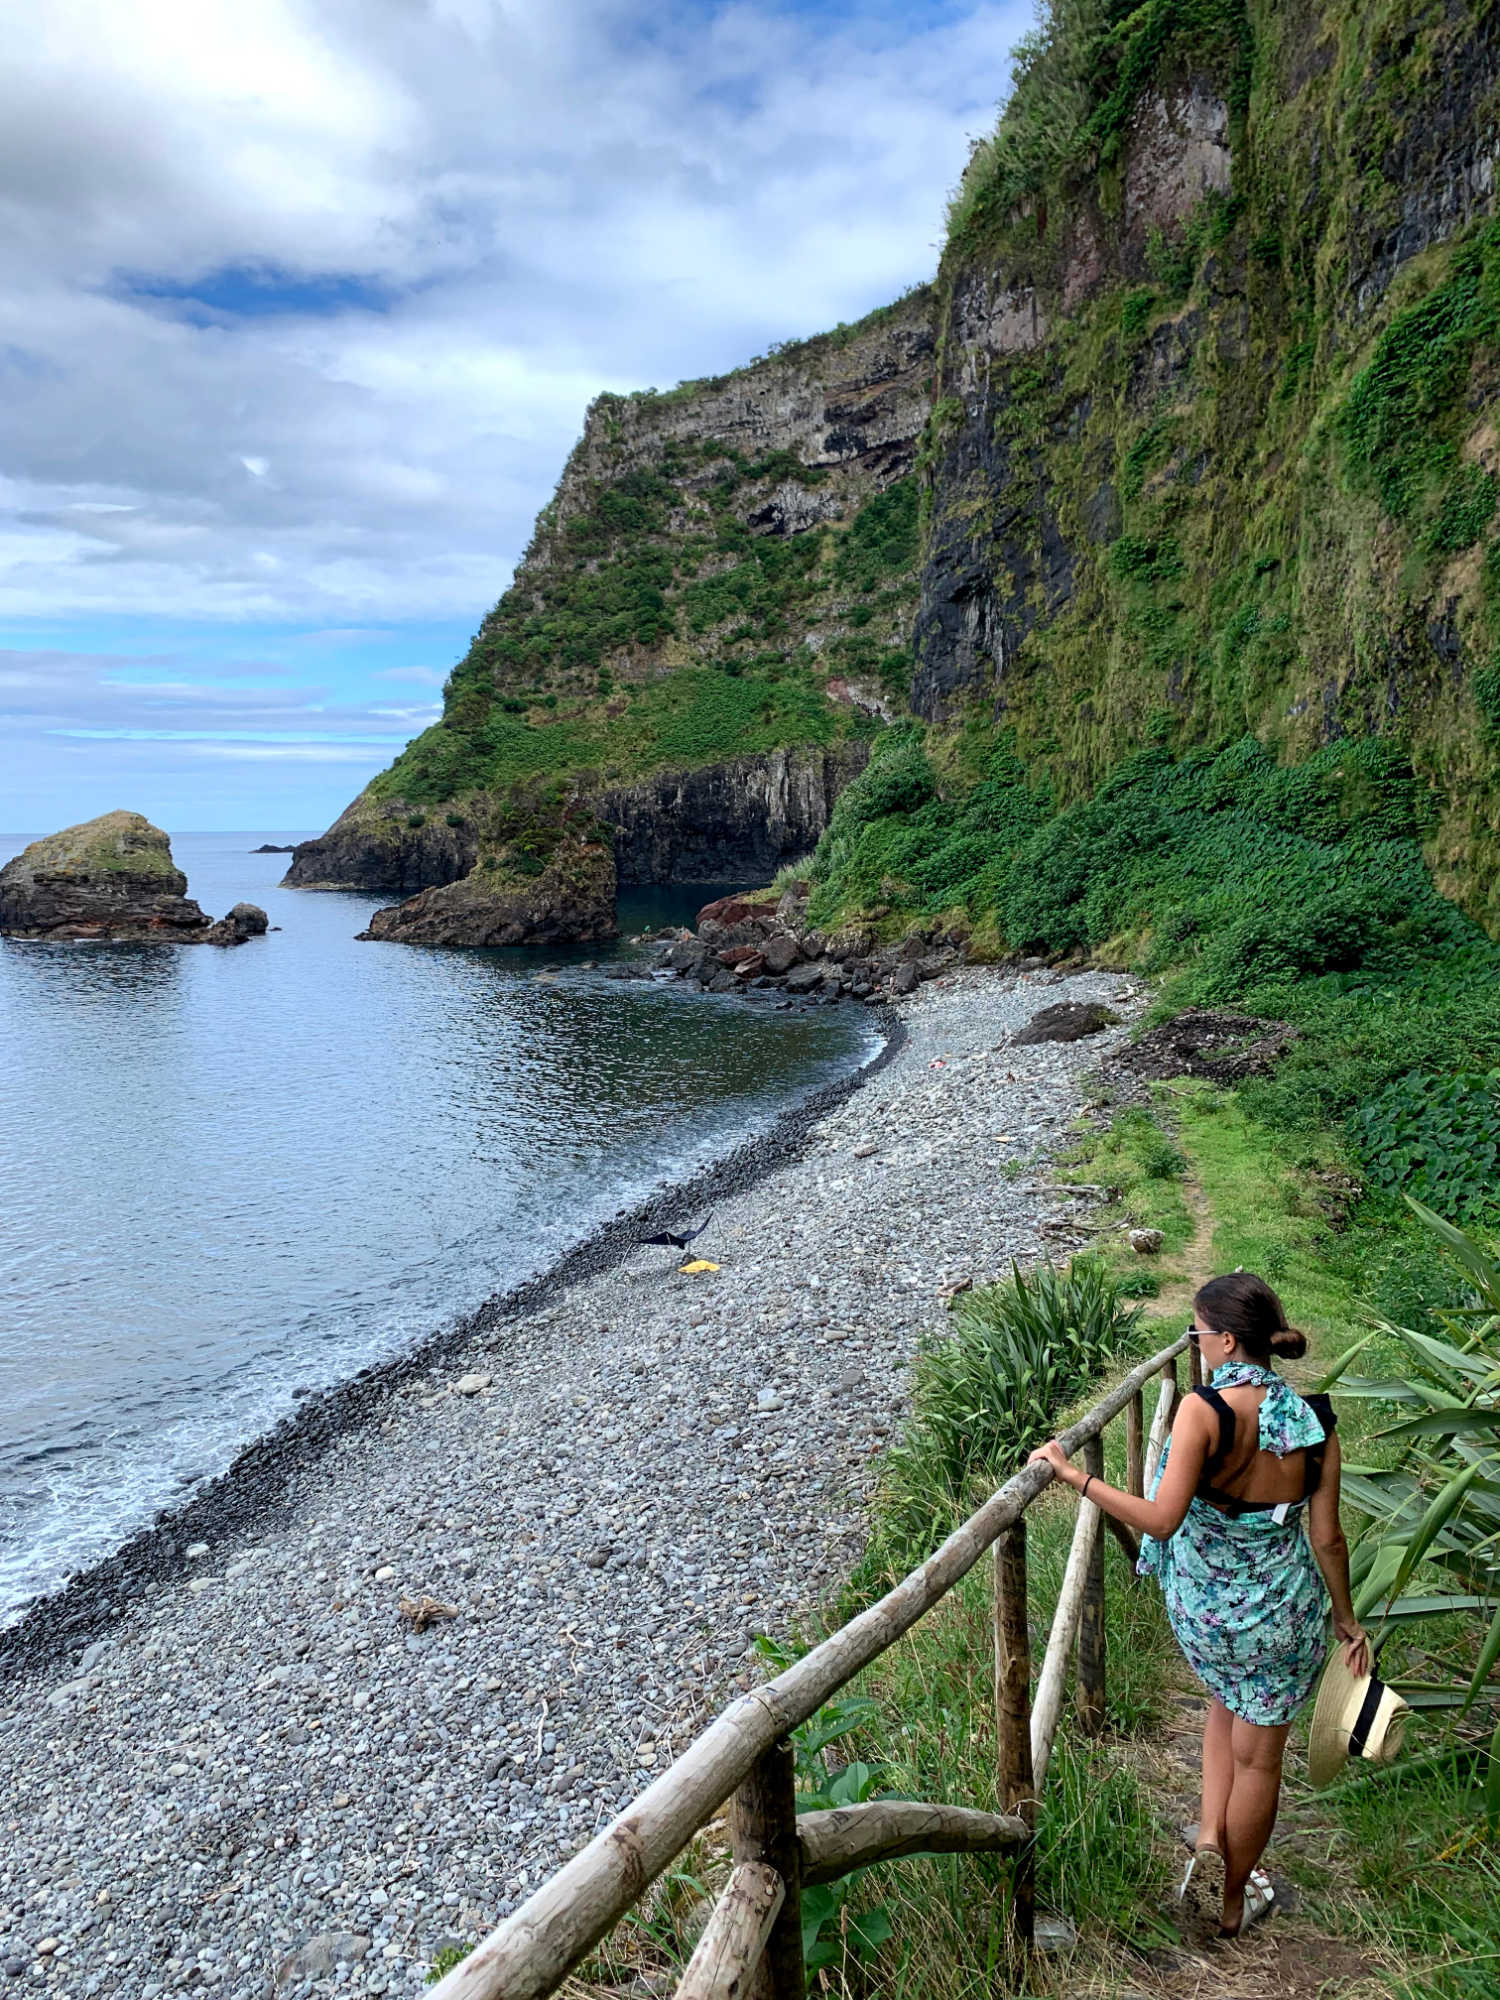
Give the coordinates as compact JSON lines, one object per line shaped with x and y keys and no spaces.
{"x":698,"y":1264}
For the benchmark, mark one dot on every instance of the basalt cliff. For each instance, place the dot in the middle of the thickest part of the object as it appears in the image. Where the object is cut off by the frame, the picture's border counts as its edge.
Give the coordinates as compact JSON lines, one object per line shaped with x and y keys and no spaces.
{"x":1194,"y":437}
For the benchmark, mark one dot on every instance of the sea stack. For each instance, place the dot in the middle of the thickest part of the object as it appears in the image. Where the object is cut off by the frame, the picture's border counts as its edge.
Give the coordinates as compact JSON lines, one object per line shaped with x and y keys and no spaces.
{"x":112,"y":878}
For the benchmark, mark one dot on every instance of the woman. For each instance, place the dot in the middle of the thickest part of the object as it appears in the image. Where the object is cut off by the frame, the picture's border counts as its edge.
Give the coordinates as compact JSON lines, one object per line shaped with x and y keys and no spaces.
{"x":1249,"y":1461}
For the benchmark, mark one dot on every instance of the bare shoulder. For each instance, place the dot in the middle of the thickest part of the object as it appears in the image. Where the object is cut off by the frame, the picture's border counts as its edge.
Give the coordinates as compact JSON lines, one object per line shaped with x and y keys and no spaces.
{"x":1195,"y":1422}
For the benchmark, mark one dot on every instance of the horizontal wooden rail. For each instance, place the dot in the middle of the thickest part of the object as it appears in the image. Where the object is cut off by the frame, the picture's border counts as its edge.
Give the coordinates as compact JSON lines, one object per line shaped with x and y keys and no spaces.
{"x":529,"y":1954}
{"x":848,"y":1837}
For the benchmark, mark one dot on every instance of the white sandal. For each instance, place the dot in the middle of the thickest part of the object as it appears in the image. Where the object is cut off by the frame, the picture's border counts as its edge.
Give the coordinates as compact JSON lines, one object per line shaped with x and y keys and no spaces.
{"x":1202,"y":1887}
{"x":1260,"y":1898}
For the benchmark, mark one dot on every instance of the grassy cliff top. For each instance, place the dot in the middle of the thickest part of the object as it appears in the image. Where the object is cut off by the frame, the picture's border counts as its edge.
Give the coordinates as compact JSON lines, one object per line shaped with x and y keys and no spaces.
{"x":117,"y":843}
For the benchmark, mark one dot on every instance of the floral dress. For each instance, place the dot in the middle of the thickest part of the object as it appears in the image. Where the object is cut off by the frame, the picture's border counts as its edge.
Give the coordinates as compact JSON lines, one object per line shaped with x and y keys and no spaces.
{"x":1243,"y":1592}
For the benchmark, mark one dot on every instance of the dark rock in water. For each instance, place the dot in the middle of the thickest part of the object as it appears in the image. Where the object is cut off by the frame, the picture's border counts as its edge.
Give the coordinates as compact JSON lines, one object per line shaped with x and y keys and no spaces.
{"x":112,"y":877}
{"x":571,"y":901}
{"x":736,"y":920}
{"x":270,"y":847}
{"x":1224,"y":1048}
{"x":1068,"y":1021}
{"x":244,"y":921}
{"x":686,"y":955}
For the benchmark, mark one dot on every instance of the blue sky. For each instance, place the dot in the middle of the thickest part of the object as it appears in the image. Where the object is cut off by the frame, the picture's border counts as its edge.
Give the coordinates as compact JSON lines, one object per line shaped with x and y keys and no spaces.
{"x":304,"y":305}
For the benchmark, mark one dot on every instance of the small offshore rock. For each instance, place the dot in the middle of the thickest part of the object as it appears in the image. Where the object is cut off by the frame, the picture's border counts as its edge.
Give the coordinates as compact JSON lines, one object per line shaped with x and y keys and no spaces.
{"x":244,"y":921}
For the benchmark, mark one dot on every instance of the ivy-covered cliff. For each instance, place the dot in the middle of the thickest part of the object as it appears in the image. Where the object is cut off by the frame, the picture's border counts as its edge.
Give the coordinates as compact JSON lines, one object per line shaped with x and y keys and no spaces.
{"x":711,"y":622}
{"x":1213,"y":447}
{"x":1193,"y":439}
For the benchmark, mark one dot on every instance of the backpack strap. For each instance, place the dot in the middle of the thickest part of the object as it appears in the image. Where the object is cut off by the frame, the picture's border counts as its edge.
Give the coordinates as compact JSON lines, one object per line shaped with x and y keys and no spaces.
{"x":1322,"y":1408}
{"x":1225,"y":1445}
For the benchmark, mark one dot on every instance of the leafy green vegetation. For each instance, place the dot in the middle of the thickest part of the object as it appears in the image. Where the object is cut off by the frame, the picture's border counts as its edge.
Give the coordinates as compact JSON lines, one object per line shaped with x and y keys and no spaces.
{"x":696,"y":716}
{"x":1434,"y":1511}
{"x":1438,"y":1138}
{"x":1403,"y":417}
{"x":883,"y":540}
{"x":986,"y":1393}
{"x":1294,"y":891}
{"x":1078,"y":78}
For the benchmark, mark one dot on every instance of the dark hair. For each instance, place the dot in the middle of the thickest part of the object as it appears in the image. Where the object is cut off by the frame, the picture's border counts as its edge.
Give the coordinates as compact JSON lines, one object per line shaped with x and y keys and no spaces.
{"x":1245,"y":1306}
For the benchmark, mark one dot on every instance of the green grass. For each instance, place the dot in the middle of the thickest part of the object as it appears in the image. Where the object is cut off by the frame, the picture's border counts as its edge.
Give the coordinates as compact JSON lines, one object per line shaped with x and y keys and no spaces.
{"x":698,"y":715}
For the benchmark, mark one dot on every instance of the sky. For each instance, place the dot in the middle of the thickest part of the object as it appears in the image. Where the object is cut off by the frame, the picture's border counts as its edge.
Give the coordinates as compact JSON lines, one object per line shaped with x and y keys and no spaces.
{"x":305,"y":301}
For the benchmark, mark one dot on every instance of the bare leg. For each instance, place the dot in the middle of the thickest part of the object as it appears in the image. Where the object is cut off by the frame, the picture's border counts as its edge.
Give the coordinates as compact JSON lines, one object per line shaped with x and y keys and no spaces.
{"x":1218,"y":1775}
{"x":1253,"y":1799}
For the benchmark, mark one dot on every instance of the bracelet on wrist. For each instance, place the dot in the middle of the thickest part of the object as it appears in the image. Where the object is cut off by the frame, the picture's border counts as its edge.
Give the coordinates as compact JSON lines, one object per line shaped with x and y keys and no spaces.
{"x":1083,"y":1491}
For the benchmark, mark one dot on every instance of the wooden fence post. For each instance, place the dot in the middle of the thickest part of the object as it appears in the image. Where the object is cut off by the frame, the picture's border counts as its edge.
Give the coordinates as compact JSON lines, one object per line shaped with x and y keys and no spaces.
{"x":1089,"y":1693}
{"x":1013,"y":1718}
{"x":1135,"y":1445}
{"x":763,"y":1827}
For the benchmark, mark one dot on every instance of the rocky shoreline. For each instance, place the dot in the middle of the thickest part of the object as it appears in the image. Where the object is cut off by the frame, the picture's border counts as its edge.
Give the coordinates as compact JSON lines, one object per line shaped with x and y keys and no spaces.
{"x":232,"y":1762}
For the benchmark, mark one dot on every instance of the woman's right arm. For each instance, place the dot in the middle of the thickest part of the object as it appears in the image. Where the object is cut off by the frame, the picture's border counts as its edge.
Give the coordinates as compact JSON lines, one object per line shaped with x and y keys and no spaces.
{"x":1332,"y":1552}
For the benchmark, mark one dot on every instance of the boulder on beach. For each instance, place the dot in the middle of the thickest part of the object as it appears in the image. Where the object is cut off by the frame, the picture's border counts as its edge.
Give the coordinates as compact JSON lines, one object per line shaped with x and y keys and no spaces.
{"x":1067,"y":1021}
{"x":111,"y":877}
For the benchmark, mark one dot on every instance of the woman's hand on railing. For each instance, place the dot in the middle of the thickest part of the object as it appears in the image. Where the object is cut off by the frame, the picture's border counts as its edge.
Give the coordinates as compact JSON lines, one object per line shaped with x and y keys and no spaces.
{"x":1052,"y":1453}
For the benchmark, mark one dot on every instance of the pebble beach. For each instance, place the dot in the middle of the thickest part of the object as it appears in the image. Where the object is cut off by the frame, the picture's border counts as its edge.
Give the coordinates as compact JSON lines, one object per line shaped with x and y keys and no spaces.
{"x":260,"y":1775}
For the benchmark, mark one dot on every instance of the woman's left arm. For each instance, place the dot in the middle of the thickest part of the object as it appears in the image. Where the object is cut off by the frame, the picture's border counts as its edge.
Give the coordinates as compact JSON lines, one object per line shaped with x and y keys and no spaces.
{"x":1163,"y":1516}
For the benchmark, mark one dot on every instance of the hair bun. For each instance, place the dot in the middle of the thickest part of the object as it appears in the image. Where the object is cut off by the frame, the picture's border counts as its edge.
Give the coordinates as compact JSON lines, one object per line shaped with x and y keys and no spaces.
{"x":1290,"y":1342}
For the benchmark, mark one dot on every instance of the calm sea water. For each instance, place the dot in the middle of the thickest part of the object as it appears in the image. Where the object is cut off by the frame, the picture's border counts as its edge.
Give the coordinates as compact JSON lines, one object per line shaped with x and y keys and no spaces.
{"x":230,"y":1176}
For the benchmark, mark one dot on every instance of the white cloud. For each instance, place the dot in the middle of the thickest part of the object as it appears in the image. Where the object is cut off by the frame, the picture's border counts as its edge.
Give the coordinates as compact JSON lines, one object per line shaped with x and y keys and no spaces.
{"x":305,"y":300}
{"x":550,"y":198}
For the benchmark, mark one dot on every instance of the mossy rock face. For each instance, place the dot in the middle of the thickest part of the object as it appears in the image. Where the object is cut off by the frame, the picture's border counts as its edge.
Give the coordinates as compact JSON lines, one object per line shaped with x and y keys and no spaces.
{"x":509,"y":900}
{"x":111,"y":877}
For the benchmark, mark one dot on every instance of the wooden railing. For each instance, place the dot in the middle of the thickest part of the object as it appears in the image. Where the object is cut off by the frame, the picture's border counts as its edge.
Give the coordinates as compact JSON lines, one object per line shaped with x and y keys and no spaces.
{"x":753,"y":1941}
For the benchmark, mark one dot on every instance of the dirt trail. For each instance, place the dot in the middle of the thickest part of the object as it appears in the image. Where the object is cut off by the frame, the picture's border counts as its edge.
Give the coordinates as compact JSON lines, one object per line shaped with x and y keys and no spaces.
{"x":1176,"y":1295}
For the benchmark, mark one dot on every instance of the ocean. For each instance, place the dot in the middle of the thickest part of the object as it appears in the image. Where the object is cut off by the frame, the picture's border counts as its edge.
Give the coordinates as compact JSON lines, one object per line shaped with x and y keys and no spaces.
{"x":229,"y":1179}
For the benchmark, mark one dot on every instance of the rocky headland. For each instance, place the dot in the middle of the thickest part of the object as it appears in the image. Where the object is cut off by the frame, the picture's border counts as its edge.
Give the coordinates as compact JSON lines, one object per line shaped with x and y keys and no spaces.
{"x":111,"y":879}
{"x":256,"y":1764}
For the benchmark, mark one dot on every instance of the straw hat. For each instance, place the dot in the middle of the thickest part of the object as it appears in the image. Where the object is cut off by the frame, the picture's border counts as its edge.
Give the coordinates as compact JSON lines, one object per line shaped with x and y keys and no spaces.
{"x":1353,"y":1718}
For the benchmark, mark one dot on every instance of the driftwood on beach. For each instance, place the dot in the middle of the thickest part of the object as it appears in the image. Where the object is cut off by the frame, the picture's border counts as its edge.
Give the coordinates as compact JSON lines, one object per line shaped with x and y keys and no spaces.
{"x":745,"y":1753}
